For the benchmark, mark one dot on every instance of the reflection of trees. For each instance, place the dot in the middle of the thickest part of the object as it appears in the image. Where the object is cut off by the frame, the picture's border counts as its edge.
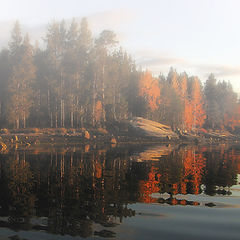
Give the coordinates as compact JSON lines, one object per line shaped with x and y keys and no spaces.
{"x":72,"y":190}
{"x":78,"y":188}
{"x":87,"y":190}
{"x":18,"y":186}
{"x":221,"y":171}
{"x":185,"y":170}
{"x":171,"y":171}
{"x":177,"y":173}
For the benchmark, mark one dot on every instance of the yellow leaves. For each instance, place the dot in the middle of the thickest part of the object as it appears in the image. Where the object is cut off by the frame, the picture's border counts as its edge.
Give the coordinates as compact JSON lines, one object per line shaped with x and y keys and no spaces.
{"x":194,"y":113}
{"x":188,"y":116}
{"x":149,"y":88}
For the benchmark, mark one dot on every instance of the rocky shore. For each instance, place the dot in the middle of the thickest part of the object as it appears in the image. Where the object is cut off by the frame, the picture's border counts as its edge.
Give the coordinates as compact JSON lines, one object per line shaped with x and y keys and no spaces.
{"x":136,"y":130}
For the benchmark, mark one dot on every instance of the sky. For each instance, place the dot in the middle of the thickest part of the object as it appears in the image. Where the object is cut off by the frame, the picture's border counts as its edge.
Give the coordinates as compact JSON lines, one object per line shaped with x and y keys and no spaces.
{"x":196,"y":36}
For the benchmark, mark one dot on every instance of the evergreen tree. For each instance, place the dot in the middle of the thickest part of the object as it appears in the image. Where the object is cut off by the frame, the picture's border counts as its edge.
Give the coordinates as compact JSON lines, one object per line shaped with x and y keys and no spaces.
{"x":56,"y":47}
{"x":212,"y":106}
{"x":4,"y":76}
{"x":77,"y":81}
{"x":20,"y":84}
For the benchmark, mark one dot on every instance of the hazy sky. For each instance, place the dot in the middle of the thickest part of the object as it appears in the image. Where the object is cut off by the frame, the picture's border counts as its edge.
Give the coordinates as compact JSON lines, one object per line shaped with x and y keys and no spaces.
{"x":196,"y":36}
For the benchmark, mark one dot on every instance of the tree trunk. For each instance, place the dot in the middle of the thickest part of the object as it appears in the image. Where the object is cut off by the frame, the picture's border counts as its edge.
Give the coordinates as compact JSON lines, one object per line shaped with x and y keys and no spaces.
{"x":56,"y":120}
{"x":51,"y":119}
{"x":17,"y":123}
{"x":93,"y":100}
{"x":103,"y":95}
{"x":72,"y":119}
{"x":24,"y":120}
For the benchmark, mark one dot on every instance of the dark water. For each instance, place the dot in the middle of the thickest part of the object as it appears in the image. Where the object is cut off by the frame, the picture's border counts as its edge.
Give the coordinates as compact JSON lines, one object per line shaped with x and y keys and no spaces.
{"x":124,"y":192}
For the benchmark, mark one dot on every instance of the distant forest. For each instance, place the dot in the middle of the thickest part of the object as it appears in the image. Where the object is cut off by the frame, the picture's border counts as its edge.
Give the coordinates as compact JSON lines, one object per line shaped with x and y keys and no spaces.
{"x":80,"y":81}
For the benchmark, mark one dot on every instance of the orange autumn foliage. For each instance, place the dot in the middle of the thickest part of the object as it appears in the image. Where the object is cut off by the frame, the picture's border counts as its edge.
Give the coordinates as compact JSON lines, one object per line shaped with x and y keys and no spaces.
{"x":194,"y":113}
{"x":183,"y":85}
{"x":233,"y":120}
{"x":149,"y":88}
{"x":188,"y":117}
{"x":190,"y":94}
{"x":174,"y":81}
{"x":197,"y":102}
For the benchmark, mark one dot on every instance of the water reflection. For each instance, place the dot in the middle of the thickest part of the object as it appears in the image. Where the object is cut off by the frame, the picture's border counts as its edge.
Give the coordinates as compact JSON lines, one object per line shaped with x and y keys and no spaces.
{"x":83,"y":191}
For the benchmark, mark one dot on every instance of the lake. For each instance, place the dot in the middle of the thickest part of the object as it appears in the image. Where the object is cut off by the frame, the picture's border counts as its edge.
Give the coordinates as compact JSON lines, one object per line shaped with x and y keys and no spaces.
{"x":121,"y":192}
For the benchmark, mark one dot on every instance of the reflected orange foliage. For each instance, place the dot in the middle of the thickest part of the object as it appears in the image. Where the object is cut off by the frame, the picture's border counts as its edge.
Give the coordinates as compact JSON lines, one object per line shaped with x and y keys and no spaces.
{"x":194,"y":164}
{"x":98,"y":170}
{"x":146,"y":188}
{"x":98,"y":111}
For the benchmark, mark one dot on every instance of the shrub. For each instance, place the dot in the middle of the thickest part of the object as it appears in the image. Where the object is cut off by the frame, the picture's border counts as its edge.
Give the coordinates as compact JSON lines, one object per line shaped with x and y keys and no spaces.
{"x":61,"y":131}
{"x":4,"y":131}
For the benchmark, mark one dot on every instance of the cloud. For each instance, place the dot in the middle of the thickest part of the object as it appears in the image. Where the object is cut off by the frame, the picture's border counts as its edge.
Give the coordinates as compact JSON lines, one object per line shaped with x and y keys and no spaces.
{"x":222,"y":71}
{"x":5,"y":27}
{"x":115,"y":20}
{"x":156,"y":58}
{"x":160,"y":62}
{"x":112,"y":19}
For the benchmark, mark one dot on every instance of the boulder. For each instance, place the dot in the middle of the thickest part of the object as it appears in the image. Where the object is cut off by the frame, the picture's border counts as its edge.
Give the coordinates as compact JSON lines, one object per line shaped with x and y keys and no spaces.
{"x":147,"y":128}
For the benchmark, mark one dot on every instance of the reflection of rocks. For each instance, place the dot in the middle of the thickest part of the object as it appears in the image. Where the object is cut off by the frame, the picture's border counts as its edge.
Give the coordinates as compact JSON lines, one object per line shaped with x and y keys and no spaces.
{"x":210,"y":204}
{"x":174,"y":201}
{"x":153,"y":153}
{"x":15,"y":237}
{"x":109,"y":224}
{"x":105,"y":233}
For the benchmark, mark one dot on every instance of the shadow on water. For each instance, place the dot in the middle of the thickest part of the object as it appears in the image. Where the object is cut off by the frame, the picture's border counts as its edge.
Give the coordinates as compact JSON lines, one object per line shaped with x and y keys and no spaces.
{"x":89,"y":191}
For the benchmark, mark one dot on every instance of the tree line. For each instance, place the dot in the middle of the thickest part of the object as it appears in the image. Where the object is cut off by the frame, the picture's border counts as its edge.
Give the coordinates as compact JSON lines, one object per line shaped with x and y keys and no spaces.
{"x":77,"y":80}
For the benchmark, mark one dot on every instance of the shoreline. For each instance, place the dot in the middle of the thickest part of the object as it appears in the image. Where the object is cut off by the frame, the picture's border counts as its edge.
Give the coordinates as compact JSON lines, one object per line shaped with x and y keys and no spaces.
{"x":27,"y":138}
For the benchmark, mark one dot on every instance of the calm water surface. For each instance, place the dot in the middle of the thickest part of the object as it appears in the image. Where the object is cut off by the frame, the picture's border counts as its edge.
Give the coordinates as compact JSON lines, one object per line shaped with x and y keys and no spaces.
{"x":121,"y":192}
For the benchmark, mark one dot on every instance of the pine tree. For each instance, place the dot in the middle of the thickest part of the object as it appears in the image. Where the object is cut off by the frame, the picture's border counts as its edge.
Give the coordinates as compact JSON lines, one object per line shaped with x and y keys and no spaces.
{"x":212,"y":106}
{"x":71,"y":71}
{"x":104,"y":47}
{"x":86,"y":78}
{"x":20,"y":82}
{"x":4,"y":77}
{"x":196,"y":99}
{"x":56,"y":47}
